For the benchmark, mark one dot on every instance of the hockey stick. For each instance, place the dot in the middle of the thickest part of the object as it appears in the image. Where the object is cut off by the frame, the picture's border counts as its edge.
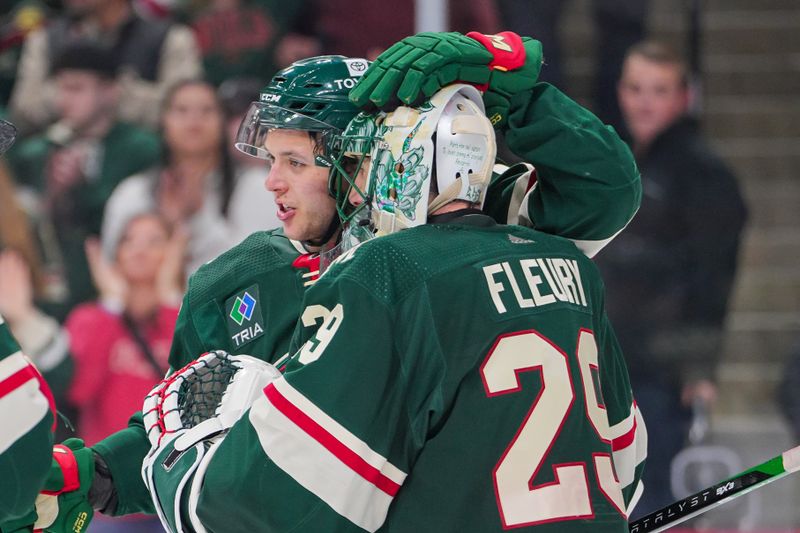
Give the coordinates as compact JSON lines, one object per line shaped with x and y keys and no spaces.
{"x":715,"y":495}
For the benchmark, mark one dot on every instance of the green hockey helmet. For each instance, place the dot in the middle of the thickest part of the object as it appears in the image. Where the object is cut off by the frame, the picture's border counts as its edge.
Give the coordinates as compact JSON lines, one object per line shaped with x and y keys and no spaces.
{"x":309,"y":95}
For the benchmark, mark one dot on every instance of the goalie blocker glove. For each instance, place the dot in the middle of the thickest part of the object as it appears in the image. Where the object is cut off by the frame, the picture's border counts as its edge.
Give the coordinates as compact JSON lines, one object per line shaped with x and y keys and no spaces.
{"x":414,"y":68}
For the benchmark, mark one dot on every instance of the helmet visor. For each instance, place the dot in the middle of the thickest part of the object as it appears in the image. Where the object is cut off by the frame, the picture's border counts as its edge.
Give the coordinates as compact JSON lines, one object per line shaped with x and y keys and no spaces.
{"x":262,"y":117}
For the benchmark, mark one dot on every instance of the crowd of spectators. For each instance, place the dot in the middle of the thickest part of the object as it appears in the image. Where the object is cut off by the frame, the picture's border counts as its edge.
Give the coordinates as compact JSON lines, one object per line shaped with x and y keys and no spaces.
{"x":67,"y":172}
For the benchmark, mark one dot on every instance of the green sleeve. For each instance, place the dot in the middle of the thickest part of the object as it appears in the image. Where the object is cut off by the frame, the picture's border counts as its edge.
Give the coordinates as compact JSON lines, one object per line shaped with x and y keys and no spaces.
{"x":27,"y":438}
{"x":124,"y":452}
{"x":587,"y":186}
{"x":23,"y":468}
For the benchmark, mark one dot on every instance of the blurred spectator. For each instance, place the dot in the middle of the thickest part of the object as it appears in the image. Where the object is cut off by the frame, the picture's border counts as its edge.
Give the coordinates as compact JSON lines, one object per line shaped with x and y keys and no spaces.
{"x":195,"y":183}
{"x":669,"y":274}
{"x":153,"y":55}
{"x":155,"y":9}
{"x":618,"y":24}
{"x":66,"y":175}
{"x":120,"y":344}
{"x":16,"y":232}
{"x":253,"y":37}
{"x":357,"y":28}
{"x":17,"y":20}
{"x":789,"y":392}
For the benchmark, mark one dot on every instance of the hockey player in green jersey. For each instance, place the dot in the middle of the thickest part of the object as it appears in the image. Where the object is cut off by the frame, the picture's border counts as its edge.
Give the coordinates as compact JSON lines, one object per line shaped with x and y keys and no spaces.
{"x":464,"y":377}
{"x":248,"y":300}
{"x":27,"y":416}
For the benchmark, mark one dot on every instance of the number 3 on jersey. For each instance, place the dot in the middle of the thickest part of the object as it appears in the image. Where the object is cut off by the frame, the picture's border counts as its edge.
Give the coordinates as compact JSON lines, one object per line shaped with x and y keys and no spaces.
{"x":519,"y":500}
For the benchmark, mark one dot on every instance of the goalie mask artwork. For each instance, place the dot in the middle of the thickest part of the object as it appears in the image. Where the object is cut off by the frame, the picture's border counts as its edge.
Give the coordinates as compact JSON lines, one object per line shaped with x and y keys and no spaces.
{"x":394,"y":169}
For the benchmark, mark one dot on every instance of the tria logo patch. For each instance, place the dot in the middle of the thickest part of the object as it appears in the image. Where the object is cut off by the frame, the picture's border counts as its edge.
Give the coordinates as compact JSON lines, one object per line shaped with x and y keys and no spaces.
{"x":244,"y":318}
{"x":243,"y":308}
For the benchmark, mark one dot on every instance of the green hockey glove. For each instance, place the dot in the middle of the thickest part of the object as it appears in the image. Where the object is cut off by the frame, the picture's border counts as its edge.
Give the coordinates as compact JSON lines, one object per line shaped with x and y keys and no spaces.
{"x":415,"y":68}
{"x":20,"y":525}
{"x":63,"y":505}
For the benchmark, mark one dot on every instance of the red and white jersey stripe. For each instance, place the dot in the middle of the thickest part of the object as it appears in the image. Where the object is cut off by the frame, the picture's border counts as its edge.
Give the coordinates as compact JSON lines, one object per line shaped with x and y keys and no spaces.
{"x":324,"y":457}
{"x":22,"y":403}
{"x":629,"y":445}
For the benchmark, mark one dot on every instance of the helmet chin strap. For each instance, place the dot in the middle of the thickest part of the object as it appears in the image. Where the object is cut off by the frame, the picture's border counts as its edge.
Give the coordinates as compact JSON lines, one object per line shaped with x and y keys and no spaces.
{"x":446,"y":196}
{"x":333,"y":227}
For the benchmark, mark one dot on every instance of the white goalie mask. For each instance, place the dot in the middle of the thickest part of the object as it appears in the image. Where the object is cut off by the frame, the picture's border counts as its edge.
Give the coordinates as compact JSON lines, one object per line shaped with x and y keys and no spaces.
{"x":420,"y":159}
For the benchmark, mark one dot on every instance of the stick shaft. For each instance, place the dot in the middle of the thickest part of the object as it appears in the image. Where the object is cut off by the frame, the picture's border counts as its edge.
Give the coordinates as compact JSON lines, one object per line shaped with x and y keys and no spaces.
{"x":717,"y":494}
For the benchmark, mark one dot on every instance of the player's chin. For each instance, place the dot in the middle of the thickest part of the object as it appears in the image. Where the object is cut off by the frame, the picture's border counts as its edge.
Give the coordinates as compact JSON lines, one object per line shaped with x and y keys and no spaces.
{"x":298,"y":229}
{"x":309,"y":225}
{"x":291,"y":230}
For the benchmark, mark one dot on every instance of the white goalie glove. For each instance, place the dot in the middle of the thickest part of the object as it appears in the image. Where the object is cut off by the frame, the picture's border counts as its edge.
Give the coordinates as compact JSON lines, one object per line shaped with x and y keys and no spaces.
{"x":186,"y":416}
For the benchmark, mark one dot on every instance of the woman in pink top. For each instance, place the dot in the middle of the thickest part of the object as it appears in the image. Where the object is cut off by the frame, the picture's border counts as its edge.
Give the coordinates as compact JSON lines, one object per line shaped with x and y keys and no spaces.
{"x":120,"y":344}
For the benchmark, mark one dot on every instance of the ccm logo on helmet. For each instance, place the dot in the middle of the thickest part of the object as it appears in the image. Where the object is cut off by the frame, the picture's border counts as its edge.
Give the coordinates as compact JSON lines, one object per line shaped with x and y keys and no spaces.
{"x":347,"y":83}
{"x":270,"y":97}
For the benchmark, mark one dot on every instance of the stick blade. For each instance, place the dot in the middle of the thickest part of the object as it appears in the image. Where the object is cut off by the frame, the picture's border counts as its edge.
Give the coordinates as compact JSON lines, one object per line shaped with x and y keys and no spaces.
{"x":8,"y":134}
{"x":791,"y":460}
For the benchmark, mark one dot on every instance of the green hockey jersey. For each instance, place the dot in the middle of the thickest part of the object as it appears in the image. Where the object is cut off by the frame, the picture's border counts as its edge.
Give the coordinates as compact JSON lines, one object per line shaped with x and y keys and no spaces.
{"x":26,"y":416}
{"x":465,"y":378}
{"x":585,"y":187}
